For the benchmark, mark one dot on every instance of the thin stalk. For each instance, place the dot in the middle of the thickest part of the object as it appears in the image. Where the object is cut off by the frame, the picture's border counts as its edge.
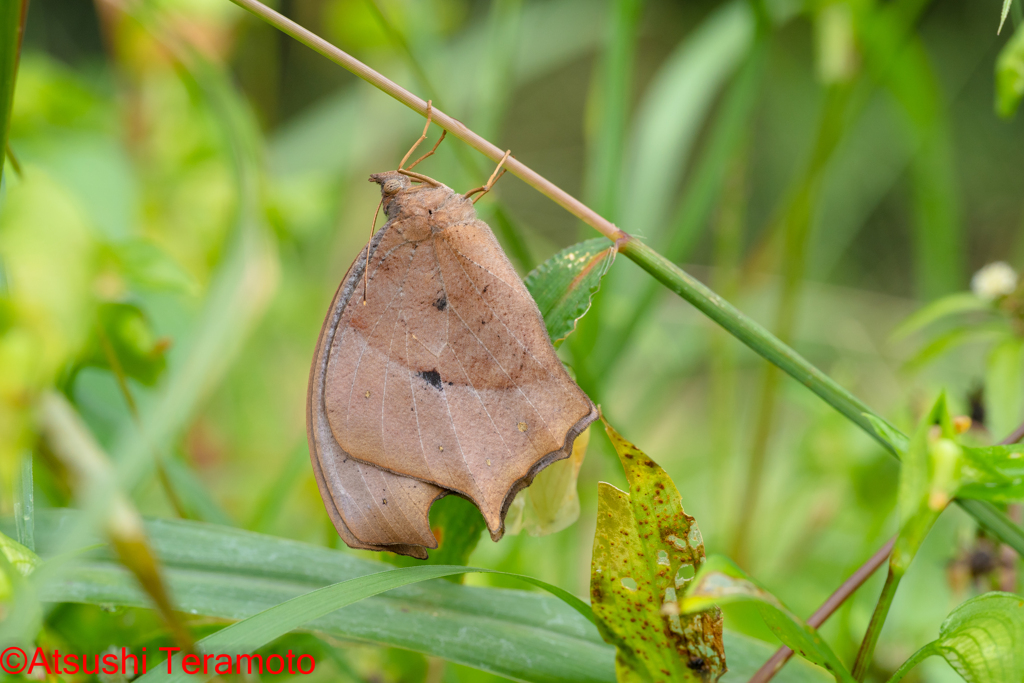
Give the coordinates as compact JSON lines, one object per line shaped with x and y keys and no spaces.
{"x":827,"y":609}
{"x":760,"y":340}
{"x":918,"y":657}
{"x":122,"y":383}
{"x":867,"y":646}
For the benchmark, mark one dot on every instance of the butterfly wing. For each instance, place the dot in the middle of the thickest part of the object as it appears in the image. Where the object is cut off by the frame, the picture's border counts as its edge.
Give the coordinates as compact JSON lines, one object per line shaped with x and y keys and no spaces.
{"x":446,"y":374}
{"x":371,"y":508}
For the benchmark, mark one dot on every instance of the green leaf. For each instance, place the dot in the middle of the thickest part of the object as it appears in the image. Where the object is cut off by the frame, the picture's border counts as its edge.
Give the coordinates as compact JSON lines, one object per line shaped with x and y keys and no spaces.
{"x":1010,"y":74}
{"x":720,"y":582}
{"x":994,"y":473}
{"x":645,"y":549}
{"x":930,"y":475}
{"x":225,"y":573}
{"x":961,"y":302}
{"x":564,"y":285}
{"x":982,"y":639}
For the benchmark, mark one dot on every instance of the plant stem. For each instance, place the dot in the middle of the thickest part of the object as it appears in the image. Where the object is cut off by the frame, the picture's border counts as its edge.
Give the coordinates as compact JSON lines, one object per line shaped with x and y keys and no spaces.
{"x":867,"y":646}
{"x":708,"y":302}
{"x":827,"y":609}
{"x":918,"y":657}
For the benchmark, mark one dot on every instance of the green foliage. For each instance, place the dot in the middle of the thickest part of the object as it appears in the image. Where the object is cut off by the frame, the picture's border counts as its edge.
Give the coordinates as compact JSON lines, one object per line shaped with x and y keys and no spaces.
{"x":193,"y":185}
{"x":220,"y":572}
{"x":647,"y":548}
{"x":720,"y":582}
{"x":982,"y":639}
{"x":564,"y":285}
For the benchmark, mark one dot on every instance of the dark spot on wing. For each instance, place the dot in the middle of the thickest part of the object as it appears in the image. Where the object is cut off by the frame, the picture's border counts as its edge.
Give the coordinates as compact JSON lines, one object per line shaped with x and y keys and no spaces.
{"x":433,"y":377}
{"x":441,"y":303}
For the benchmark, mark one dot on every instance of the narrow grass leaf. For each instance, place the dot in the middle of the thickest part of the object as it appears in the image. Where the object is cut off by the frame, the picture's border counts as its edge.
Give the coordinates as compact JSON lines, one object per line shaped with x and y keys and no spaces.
{"x":258,"y":630}
{"x":1002,"y":16}
{"x":565,"y":284}
{"x":720,"y":582}
{"x":1010,"y":74}
{"x":953,"y":304}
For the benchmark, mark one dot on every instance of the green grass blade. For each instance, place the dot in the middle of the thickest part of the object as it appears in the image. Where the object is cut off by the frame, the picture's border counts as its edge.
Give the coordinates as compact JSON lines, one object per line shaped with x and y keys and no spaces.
{"x":613,"y":88}
{"x":12,"y":24}
{"x":25,"y":504}
{"x":258,"y":630}
{"x":223,"y":573}
{"x":673,"y":110}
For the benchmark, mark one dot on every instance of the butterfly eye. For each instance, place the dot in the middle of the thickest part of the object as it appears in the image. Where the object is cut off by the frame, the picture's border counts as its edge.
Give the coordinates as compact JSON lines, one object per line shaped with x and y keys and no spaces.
{"x":392,"y":186}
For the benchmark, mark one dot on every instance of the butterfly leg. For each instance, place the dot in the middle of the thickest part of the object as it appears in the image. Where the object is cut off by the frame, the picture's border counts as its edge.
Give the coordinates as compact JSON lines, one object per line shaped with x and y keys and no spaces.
{"x":423,"y":136}
{"x":498,"y":172}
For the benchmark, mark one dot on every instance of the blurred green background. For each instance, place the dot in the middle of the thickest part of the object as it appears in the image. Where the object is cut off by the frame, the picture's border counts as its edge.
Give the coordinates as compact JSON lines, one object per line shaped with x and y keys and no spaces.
{"x":828,"y":166}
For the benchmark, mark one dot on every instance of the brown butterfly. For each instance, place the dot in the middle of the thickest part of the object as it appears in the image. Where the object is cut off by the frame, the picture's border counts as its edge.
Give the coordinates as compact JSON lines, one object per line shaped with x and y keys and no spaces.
{"x":433,"y":374}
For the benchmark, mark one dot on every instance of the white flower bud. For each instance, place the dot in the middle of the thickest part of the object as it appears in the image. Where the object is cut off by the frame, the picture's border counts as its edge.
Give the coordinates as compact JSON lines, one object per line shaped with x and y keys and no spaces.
{"x":993,"y":281}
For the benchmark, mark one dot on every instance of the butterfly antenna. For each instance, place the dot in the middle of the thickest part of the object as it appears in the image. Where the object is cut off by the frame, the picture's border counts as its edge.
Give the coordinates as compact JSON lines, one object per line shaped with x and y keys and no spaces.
{"x":426,"y":127}
{"x":366,"y":266}
{"x":498,"y":172}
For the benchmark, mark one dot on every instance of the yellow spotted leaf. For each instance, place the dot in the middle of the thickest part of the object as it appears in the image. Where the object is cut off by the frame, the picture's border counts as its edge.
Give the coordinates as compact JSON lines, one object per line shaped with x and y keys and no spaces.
{"x":646,"y":550}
